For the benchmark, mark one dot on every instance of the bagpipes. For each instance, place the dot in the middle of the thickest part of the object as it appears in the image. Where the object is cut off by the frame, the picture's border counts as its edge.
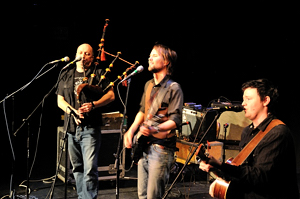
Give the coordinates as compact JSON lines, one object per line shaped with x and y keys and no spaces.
{"x":86,"y":92}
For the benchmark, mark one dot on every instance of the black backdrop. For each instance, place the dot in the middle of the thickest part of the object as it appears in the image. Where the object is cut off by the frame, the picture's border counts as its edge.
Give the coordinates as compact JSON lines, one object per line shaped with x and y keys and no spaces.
{"x":219,"y":46}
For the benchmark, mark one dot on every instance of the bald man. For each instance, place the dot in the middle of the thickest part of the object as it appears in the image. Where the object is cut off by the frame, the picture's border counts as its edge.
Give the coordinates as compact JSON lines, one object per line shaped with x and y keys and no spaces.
{"x":84,"y":133}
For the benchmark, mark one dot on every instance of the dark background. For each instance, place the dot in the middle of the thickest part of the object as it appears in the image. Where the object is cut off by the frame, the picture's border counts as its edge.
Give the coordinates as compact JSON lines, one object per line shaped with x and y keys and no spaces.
{"x":219,"y":46}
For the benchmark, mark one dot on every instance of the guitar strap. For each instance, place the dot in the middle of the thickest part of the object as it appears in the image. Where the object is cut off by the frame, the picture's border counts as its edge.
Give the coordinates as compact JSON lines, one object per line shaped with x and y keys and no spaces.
{"x":153,"y":104}
{"x":147,"y":99}
{"x":247,"y":150}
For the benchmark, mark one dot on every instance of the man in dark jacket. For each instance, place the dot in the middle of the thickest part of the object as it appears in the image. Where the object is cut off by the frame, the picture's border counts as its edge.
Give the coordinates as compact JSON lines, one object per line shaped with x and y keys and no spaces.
{"x":270,"y":170}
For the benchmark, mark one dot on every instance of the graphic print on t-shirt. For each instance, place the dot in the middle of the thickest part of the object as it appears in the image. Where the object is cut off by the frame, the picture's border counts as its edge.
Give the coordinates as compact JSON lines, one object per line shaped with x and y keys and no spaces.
{"x":78,"y":79}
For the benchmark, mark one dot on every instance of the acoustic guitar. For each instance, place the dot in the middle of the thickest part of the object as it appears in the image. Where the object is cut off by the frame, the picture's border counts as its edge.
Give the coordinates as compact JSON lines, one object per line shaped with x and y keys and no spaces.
{"x":221,"y":186}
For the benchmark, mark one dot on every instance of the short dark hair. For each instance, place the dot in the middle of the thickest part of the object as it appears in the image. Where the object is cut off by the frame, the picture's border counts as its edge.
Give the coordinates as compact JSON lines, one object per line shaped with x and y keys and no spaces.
{"x":168,"y":54}
{"x":264,"y":88}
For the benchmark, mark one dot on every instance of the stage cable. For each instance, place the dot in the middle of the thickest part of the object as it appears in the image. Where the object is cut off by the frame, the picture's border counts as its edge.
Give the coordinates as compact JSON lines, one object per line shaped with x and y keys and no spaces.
{"x":11,"y":147}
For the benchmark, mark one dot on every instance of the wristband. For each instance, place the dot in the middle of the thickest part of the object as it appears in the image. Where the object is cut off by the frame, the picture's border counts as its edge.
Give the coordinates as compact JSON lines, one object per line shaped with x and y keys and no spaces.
{"x":93,"y":105}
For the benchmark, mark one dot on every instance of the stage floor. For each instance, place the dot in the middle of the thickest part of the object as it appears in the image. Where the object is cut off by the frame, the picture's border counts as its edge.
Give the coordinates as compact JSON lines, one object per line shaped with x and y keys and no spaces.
{"x":107,"y":190}
{"x":189,"y":185}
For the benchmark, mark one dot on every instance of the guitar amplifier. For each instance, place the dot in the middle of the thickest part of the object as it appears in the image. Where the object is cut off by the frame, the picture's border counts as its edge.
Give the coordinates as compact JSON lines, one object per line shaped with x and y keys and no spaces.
{"x":195,"y":118}
{"x":186,"y":148}
{"x":112,"y":120}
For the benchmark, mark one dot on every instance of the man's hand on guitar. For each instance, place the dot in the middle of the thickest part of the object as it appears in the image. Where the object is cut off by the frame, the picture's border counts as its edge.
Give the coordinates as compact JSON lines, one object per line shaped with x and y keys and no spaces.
{"x":147,"y":130}
{"x":144,"y":130}
{"x":204,"y":166}
{"x":210,"y":163}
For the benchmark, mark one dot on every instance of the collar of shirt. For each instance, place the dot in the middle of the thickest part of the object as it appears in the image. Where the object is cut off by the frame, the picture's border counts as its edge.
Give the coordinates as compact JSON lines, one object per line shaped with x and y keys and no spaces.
{"x":263,"y":125}
{"x":162,"y":82}
{"x":251,"y":131}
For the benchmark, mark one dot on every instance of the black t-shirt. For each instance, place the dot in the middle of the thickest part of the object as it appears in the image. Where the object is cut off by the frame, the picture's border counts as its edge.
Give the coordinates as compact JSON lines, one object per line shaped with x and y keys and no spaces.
{"x":69,"y":80}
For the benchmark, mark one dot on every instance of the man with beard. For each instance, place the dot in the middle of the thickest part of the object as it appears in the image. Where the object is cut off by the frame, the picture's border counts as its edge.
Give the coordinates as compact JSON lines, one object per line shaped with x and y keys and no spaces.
{"x":154,"y":165}
{"x":84,"y":133}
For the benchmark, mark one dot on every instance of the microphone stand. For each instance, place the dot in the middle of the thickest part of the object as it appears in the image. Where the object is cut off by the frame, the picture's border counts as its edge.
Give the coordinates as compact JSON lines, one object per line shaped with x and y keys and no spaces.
{"x":190,"y":157}
{"x":12,"y":192}
{"x":26,"y":120}
{"x":122,"y":130}
{"x":226,"y":125}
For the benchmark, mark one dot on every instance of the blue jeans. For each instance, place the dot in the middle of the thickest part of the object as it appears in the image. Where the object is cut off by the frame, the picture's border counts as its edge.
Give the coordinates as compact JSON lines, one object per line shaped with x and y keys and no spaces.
{"x":153,"y":172}
{"x":83,"y":150}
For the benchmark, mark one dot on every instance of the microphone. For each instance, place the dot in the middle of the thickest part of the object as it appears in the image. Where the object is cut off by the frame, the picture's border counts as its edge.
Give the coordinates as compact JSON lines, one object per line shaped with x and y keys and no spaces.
{"x":138,"y":70}
{"x":65,"y":59}
{"x":226,"y":106}
{"x":78,"y":58}
{"x":226,"y":125}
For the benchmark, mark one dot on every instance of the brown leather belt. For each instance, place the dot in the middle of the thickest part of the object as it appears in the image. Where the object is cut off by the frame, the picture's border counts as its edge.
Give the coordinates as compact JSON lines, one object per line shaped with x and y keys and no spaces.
{"x":160,"y":146}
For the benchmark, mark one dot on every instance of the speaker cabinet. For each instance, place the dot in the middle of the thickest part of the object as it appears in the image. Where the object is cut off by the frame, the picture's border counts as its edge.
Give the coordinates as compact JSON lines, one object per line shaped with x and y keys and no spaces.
{"x":63,"y":164}
{"x":231,"y":151}
{"x":106,"y":160}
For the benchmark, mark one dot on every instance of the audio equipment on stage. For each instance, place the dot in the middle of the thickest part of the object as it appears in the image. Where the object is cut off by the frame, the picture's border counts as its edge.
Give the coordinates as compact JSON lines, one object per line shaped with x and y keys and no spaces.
{"x":106,"y":159}
{"x":62,"y":165}
{"x":195,"y":118}
{"x":236,"y":121}
{"x":186,"y":149}
{"x":226,"y":106}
